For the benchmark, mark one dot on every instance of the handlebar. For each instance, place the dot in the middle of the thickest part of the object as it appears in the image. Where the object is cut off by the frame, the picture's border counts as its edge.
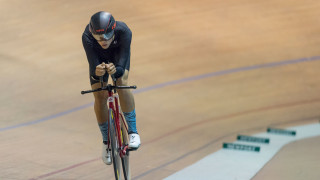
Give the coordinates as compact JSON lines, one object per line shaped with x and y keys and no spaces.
{"x":109,"y":87}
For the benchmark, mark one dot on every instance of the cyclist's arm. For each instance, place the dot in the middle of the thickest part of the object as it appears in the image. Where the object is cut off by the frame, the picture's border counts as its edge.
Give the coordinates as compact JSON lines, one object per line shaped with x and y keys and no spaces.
{"x":92,"y":57}
{"x":124,"y":53}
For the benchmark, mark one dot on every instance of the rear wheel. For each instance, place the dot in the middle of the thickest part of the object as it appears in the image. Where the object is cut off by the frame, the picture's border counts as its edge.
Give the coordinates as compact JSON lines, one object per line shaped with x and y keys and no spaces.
{"x":125,"y":140}
{"x":114,"y":146}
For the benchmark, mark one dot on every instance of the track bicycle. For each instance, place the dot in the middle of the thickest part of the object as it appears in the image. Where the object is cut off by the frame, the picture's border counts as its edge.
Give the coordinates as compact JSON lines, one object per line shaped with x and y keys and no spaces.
{"x":118,"y":137}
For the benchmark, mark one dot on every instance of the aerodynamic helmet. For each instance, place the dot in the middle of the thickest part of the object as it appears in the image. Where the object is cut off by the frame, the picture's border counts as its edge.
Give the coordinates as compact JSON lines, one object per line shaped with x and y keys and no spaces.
{"x":102,"y":25}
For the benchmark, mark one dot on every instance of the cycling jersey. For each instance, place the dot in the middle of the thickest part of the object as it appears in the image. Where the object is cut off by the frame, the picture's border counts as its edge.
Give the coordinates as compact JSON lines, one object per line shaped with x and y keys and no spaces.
{"x":118,"y":52}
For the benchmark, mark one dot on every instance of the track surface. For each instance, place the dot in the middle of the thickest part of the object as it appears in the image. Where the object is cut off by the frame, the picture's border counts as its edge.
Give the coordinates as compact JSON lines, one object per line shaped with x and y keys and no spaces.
{"x":206,"y":71}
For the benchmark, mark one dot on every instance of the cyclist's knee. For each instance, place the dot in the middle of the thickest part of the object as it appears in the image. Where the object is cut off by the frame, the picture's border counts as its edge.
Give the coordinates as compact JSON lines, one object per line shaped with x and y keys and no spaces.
{"x":123,"y":80}
{"x":100,"y":100}
{"x":99,"y":97}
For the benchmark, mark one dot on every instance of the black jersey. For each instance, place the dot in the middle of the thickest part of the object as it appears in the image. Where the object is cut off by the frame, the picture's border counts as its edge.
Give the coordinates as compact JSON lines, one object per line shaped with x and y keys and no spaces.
{"x":118,"y":52}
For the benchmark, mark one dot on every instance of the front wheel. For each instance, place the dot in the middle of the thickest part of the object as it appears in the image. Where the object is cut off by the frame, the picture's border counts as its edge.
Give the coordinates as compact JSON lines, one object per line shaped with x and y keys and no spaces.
{"x":114,"y":146}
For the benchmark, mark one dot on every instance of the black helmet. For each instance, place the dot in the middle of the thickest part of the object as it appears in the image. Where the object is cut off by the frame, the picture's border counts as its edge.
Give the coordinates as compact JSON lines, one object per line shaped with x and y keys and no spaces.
{"x":102,"y":25}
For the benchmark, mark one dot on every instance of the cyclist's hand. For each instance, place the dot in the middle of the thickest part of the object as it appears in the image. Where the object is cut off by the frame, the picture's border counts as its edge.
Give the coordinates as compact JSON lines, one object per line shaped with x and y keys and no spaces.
{"x":111,"y":69}
{"x":101,"y":69}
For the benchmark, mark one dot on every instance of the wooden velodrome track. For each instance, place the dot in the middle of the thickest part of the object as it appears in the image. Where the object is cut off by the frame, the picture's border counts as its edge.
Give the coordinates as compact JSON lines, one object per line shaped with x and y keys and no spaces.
{"x":191,"y":62}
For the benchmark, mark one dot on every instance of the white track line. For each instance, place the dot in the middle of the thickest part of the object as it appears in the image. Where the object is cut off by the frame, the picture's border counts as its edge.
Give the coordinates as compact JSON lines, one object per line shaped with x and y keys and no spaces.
{"x":227,"y":164}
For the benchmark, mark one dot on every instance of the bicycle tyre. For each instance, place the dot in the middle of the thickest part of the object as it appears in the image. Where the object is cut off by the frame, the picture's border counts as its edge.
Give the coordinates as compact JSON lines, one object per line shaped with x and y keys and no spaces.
{"x":114,"y":146}
{"x":125,"y":140}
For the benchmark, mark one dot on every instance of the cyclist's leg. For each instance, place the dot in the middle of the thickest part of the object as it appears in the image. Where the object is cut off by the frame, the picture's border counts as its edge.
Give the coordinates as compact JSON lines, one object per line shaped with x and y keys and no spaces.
{"x":126,"y":96}
{"x":101,"y":111}
{"x":128,"y":108}
{"x":100,"y":104}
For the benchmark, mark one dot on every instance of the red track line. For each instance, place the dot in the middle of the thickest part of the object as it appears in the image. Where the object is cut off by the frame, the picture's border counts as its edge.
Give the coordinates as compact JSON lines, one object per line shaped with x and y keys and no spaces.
{"x":285,"y":105}
{"x":65,"y":169}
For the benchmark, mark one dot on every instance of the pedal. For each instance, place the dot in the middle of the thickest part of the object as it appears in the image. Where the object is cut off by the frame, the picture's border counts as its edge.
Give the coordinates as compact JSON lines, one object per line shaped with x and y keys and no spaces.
{"x":132,"y":149}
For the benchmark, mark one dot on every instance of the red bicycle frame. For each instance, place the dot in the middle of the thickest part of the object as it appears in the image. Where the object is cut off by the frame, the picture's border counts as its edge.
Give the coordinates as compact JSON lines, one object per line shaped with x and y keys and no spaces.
{"x":119,"y":149}
{"x":113,"y":103}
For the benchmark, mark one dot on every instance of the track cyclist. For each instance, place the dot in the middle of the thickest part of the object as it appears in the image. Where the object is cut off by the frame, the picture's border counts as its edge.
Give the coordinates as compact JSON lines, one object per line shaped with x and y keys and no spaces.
{"x":107,"y":46}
